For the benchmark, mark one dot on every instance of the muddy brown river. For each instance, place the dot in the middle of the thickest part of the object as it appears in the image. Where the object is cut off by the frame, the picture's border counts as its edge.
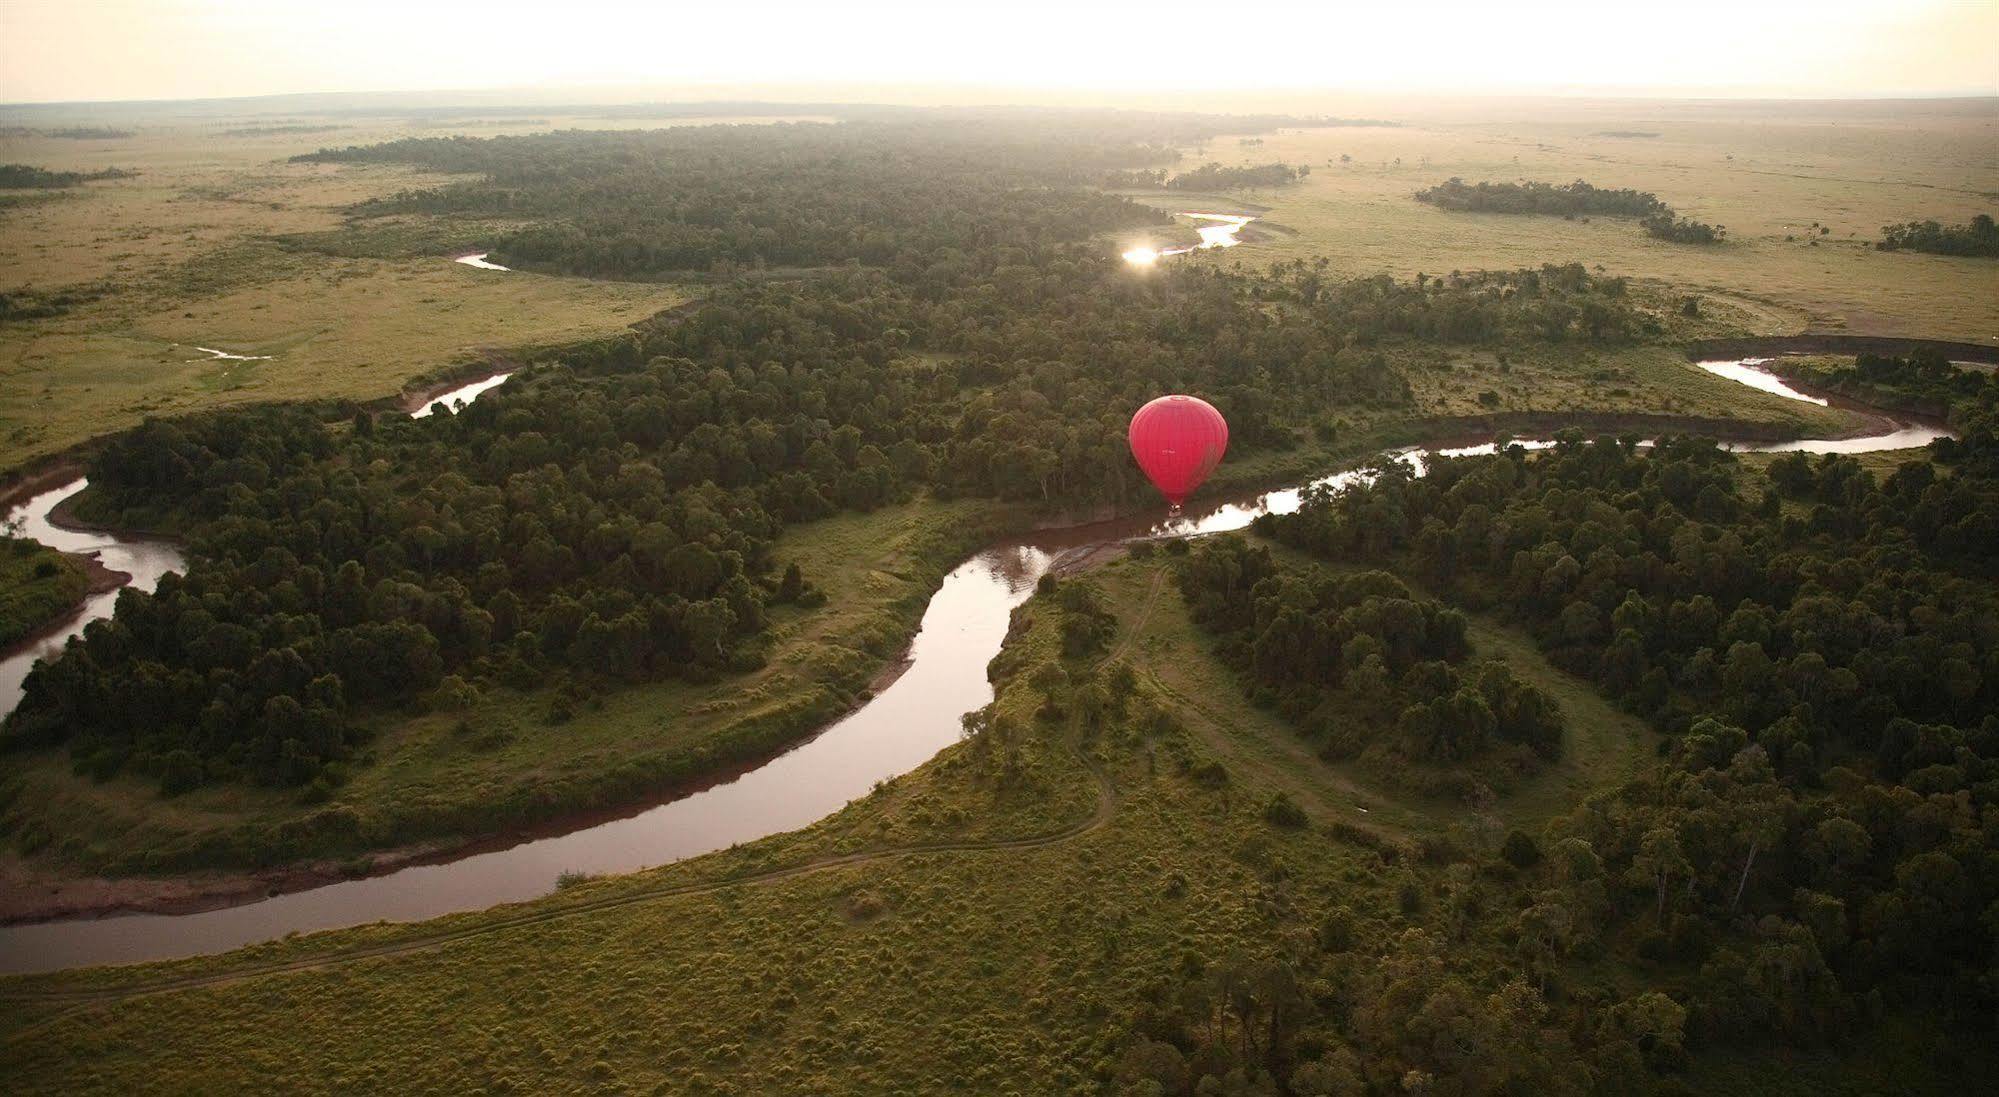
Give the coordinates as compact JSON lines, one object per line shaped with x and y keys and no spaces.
{"x":901,"y":728}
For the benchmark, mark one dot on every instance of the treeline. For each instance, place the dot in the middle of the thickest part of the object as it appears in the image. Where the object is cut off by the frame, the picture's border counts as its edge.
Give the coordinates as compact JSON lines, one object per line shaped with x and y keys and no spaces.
{"x":1819,"y":652}
{"x":71,"y":133}
{"x":1217,"y":177}
{"x":1979,"y":237}
{"x":1924,"y":382}
{"x":1577,"y":199}
{"x":1344,"y":657}
{"x":1682,"y":230}
{"x":899,"y":190}
{"x":1570,"y":200}
{"x":272,"y":131}
{"x":29,"y":177}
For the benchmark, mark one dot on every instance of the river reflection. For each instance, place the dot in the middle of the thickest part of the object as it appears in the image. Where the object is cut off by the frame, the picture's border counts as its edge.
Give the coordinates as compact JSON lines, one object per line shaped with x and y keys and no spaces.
{"x":459,"y":397}
{"x":479,"y":261}
{"x":143,"y":559}
{"x":1222,"y":231}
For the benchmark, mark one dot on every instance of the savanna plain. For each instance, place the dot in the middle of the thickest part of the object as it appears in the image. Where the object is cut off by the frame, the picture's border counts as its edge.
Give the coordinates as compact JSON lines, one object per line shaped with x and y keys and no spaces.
{"x":1653,"y":754}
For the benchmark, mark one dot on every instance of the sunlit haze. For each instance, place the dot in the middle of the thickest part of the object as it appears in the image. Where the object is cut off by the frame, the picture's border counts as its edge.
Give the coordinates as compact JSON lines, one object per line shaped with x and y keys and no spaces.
{"x":59,"y":50}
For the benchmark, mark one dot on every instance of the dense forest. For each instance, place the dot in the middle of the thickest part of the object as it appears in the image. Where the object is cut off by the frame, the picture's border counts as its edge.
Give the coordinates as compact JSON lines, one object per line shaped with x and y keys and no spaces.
{"x":609,"y":513}
{"x":1571,"y":200}
{"x":1818,"y":650}
{"x":1979,"y":237}
{"x":902,"y":192}
{"x":1365,"y":668}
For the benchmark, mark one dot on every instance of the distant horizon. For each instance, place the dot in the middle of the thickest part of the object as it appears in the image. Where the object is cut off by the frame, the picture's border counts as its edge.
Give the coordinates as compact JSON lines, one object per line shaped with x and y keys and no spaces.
{"x":1300,"y":100}
{"x":166,"y":51}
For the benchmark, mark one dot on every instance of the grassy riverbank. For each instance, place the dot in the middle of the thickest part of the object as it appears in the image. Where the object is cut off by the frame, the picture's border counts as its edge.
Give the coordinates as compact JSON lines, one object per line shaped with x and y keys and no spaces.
{"x":502,"y":762}
{"x":1138,"y":861}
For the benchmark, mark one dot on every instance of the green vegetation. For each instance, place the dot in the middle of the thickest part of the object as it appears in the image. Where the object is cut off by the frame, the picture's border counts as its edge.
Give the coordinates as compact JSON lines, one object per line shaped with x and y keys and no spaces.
{"x":1825,"y":672}
{"x":1980,"y":237}
{"x":1599,"y":770}
{"x":605,"y":521}
{"x":28,"y":177}
{"x":1682,"y":230}
{"x":1924,"y":383}
{"x":604,"y":518}
{"x":1216,"y":177}
{"x":481,"y":756}
{"x":1348,"y":657}
{"x":1098,"y":899}
{"x":32,"y":304}
{"x":901,"y":194}
{"x":1572,"y":200}
{"x":37,"y":585}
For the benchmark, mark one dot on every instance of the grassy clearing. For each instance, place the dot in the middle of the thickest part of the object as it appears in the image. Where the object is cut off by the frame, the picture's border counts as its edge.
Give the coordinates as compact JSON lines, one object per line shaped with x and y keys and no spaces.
{"x":502,"y":762}
{"x":1765,"y":170}
{"x":1603,"y":744}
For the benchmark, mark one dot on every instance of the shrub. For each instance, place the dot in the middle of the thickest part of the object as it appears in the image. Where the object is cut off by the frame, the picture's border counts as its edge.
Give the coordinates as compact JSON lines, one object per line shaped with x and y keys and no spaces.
{"x":1281,"y":811}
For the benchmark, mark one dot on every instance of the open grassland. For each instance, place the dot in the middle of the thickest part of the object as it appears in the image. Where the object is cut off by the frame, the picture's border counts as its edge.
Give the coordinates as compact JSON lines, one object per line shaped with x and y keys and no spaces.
{"x":507,"y":758}
{"x":188,"y":254}
{"x":1766,"y":171}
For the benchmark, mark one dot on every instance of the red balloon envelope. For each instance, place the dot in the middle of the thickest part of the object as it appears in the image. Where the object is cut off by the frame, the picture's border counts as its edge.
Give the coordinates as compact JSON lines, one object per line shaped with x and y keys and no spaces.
{"x":1178,"y":441}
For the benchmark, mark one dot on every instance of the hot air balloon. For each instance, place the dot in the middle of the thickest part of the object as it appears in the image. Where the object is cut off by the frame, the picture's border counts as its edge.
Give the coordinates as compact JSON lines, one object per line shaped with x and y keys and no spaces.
{"x":1178,"y":441}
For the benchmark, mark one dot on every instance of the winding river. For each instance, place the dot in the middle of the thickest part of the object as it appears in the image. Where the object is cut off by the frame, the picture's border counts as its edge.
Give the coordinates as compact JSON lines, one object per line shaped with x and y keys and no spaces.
{"x":902,"y":727}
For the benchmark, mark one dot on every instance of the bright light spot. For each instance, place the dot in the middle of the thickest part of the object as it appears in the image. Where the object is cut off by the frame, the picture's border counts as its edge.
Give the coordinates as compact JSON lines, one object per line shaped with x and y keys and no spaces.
{"x":1142,"y":257}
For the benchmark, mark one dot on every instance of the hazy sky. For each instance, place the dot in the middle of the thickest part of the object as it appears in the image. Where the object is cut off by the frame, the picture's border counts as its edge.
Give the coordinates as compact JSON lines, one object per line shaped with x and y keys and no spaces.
{"x":174,"y":49}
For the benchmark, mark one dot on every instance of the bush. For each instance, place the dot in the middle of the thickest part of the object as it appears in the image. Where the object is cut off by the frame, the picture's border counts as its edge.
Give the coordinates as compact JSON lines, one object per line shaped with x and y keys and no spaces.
{"x":1520,"y":850}
{"x":1282,"y":812}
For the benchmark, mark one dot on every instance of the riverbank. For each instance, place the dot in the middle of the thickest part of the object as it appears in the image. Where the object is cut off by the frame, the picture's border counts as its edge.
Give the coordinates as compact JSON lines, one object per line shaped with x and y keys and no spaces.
{"x":441,"y":793}
{"x":347,"y":839}
{"x":36,"y":892}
